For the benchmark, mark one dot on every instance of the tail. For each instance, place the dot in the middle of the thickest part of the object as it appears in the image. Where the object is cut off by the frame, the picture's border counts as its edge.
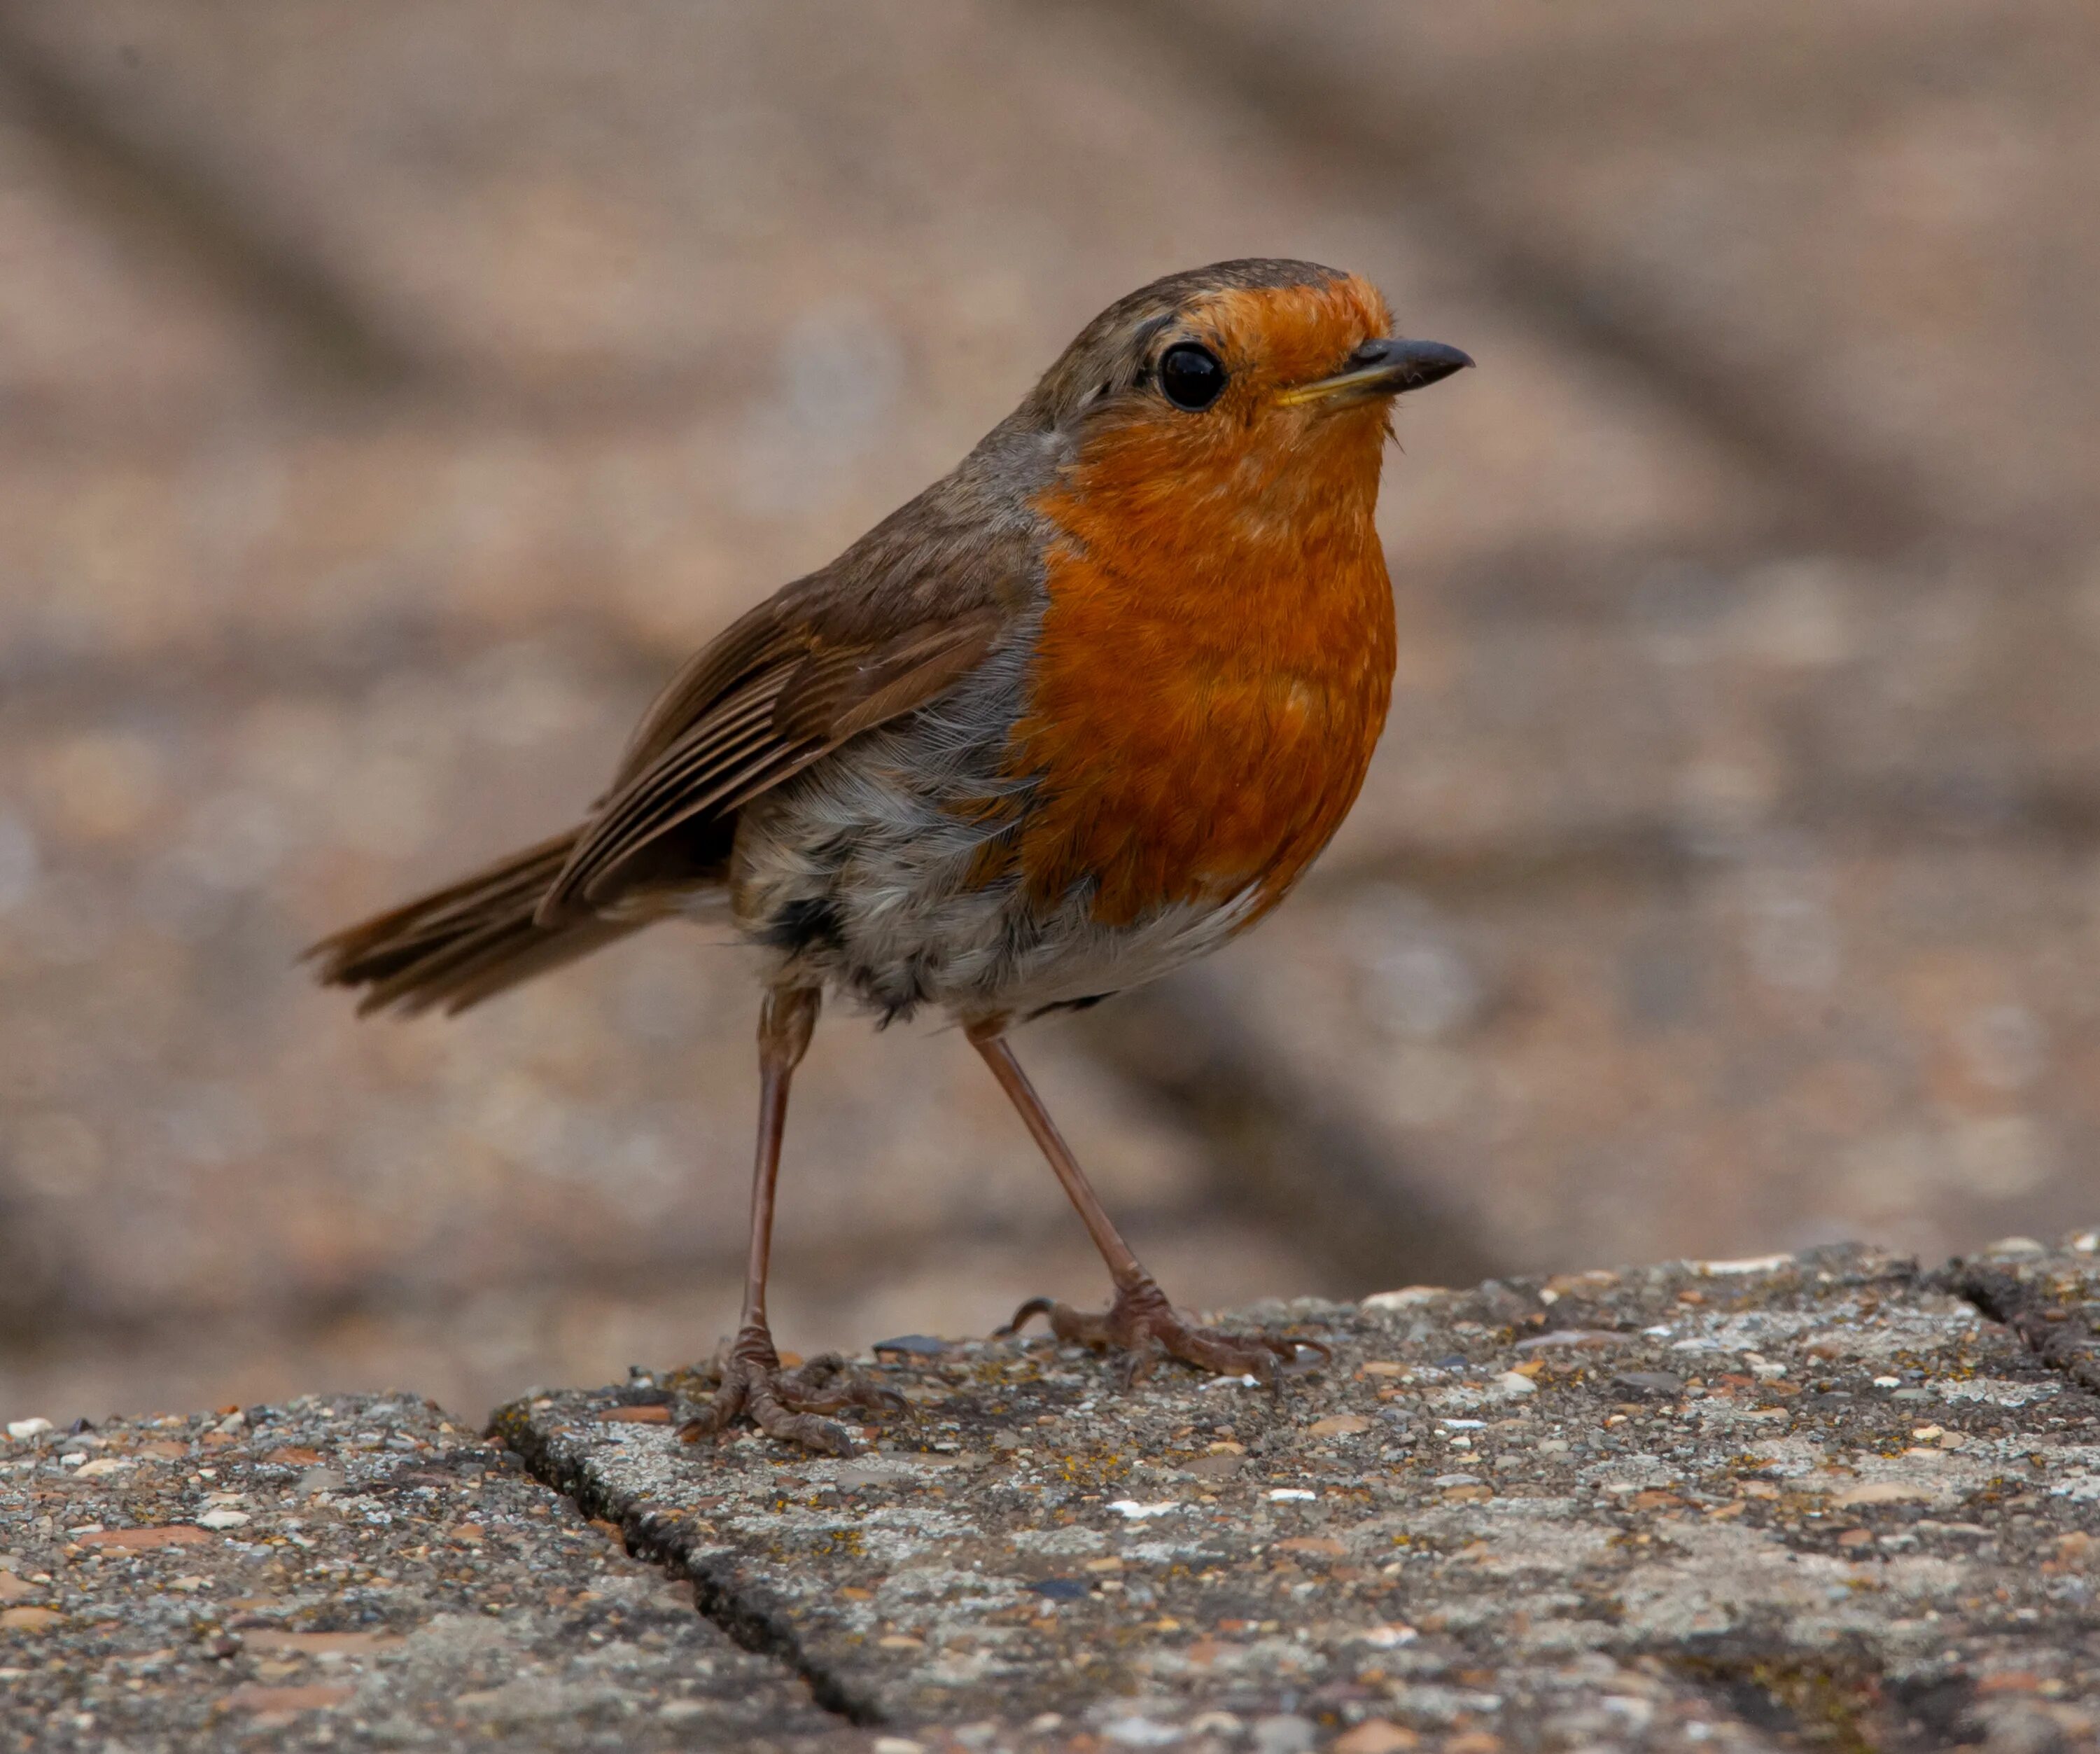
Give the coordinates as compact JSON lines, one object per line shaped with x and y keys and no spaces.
{"x":467,"y":943}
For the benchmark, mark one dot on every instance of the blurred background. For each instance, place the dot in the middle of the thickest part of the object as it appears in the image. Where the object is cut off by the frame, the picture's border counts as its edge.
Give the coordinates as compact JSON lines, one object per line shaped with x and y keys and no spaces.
{"x":391,"y":393}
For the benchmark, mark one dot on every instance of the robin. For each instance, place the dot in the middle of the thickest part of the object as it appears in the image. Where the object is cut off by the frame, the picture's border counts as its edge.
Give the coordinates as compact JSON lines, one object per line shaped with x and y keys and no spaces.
{"x":1083,"y":710}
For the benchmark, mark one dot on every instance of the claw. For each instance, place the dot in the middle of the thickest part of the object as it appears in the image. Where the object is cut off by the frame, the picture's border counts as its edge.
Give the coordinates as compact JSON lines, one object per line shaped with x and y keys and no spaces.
{"x":1144,"y":1328}
{"x":785,"y":1403}
{"x":1034,"y":1307}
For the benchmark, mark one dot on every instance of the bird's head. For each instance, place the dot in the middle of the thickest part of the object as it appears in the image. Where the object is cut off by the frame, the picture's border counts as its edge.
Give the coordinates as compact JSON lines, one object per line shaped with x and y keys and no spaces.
{"x":1261,"y":383}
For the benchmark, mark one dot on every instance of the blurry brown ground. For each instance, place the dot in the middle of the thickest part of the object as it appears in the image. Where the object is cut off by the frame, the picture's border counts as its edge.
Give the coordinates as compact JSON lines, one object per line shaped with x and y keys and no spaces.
{"x":389,"y":393}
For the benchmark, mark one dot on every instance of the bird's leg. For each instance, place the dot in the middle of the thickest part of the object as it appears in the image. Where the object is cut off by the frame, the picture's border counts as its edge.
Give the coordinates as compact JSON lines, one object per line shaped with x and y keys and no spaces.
{"x":782,"y":1403}
{"x":1141,"y":1323}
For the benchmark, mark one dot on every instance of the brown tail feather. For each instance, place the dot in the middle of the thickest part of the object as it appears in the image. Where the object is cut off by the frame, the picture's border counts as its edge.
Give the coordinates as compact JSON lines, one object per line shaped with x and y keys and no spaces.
{"x":467,"y":942}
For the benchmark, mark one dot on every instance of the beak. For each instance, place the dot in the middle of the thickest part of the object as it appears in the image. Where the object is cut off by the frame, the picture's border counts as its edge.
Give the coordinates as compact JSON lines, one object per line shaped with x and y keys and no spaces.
{"x":1381,"y":368}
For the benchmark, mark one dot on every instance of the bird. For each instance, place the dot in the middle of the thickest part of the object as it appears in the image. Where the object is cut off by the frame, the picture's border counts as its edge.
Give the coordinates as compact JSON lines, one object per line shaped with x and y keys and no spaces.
{"x":1083,"y":710}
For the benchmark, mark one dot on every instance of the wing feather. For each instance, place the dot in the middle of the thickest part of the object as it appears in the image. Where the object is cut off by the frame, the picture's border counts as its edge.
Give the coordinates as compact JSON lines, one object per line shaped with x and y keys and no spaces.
{"x":743,"y":719}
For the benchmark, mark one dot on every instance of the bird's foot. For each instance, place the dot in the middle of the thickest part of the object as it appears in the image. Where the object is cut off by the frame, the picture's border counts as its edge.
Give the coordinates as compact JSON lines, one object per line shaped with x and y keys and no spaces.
{"x":1143,"y":1328}
{"x":784,"y":1404}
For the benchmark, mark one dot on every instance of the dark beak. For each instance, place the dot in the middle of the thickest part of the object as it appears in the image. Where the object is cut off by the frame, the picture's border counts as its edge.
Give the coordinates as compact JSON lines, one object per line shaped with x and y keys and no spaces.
{"x":1384,"y":367}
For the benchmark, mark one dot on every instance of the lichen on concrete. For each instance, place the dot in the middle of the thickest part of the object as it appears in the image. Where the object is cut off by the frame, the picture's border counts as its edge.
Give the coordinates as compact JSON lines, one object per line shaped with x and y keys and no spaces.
{"x":354,"y":1571}
{"x":1827,"y":1501}
{"x":1821,"y":1501}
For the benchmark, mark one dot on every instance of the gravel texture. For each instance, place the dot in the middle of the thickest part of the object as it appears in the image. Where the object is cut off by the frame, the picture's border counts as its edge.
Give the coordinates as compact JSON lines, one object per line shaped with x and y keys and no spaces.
{"x":349,"y":1573}
{"x":1825,"y":1500}
{"x":1817,"y":1501}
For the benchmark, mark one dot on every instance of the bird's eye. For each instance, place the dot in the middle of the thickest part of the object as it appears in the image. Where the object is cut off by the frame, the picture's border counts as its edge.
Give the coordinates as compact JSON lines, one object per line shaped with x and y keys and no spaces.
{"x":1190,"y":377}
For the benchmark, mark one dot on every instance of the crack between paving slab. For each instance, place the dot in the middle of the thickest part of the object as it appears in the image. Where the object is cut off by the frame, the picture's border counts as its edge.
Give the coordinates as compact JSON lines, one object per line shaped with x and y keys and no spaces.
{"x":2061,"y":1339}
{"x":655,"y":1537}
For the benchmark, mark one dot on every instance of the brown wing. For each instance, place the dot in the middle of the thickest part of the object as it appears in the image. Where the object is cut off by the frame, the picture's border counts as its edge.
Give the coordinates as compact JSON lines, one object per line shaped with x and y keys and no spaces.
{"x":762,"y":703}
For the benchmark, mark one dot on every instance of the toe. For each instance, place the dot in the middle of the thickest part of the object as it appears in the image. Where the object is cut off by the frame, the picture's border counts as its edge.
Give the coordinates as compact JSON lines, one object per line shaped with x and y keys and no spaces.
{"x":812,"y":1432}
{"x":1080,"y":1327}
{"x":1024,"y":1315}
{"x":828,"y":1385}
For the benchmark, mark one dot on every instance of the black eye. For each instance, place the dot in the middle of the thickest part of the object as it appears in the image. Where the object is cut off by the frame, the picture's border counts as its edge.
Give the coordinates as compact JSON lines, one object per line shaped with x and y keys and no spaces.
{"x":1190,"y":377}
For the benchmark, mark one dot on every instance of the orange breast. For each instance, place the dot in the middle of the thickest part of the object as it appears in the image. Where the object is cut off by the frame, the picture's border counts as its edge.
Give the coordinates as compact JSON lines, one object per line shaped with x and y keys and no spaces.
{"x":1215,"y":663}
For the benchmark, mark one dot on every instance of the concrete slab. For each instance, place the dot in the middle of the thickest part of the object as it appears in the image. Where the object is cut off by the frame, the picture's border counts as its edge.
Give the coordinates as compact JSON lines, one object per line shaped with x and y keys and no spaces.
{"x":347,"y":1572}
{"x":1738,"y":1504}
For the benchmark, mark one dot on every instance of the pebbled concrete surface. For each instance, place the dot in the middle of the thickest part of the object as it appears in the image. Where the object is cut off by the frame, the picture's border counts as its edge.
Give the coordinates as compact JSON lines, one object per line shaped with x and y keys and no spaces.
{"x":354,"y":1572}
{"x":1819,"y":1501}
{"x":1827,"y":1500}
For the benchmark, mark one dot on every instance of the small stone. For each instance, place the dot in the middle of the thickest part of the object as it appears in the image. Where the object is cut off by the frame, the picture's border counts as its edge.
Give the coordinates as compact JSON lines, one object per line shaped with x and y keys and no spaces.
{"x":1284,"y":1495}
{"x":1142,"y":1733}
{"x":140,"y":1540}
{"x":292,"y":1456}
{"x":1340,"y":1426}
{"x":222,"y":1518}
{"x":20,"y":1429}
{"x":1389,"y":1636}
{"x":1591,"y":1337}
{"x":682,"y":1711}
{"x":103,"y":1466}
{"x":1882,"y":1492}
{"x":2014,"y":1245}
{"x":1660,"y":1383}
{"x":1286,"y":1733}
{"x":322,"y":1643}
{"x":1514,"y":1384}
{"x":29,"y":1619}
{"x":1375,"y":1735}
{"x":1406,"y":1297}
{"x":898,"y":1744}
{"x":1129,"y":1509}
{"x":1749,"y":1264}
{"x":251,"y":1698}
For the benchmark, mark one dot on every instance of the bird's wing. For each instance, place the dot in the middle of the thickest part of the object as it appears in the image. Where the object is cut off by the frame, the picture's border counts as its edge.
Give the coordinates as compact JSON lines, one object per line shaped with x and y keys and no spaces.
{"x":777,"y":690}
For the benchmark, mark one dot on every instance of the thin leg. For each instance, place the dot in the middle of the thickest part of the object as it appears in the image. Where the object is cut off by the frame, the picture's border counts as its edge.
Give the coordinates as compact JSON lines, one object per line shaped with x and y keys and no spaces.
{"x":1140,"y":1322}
{"x":785,"y":1024}
{"x":782,"y":1403}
